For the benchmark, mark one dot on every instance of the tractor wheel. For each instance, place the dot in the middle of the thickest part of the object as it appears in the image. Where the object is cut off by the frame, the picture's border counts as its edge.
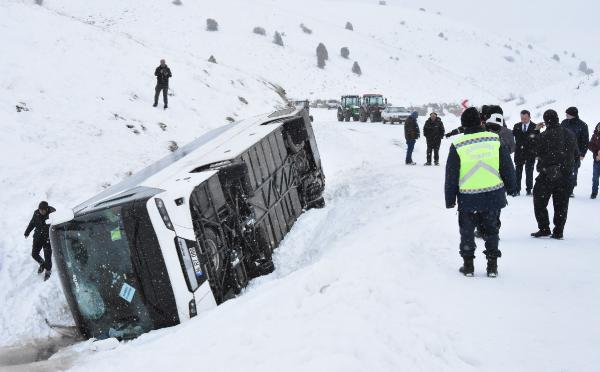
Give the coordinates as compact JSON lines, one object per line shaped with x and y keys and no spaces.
{"x":340,"y":115}
{"x":385,"y":122}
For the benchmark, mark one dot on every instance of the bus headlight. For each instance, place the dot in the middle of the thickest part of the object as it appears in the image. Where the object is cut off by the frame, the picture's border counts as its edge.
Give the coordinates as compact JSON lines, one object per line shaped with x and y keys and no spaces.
{"x":164,"y":214}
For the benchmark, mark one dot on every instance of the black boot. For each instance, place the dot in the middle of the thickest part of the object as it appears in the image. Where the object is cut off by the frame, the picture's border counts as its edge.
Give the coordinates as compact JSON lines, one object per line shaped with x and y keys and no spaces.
{"x":594,"y":195}
{"x":492,"y":267}
{"x":155,"y":104}
{"x":557,"y":234}
{"x":47,"y":275}
{"x":467,"y":269}
{"x":41,"y":268}
{"x":541,"y":233}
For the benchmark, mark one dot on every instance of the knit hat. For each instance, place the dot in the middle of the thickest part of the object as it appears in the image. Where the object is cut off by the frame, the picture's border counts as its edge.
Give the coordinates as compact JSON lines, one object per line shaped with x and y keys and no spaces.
{"x":551,"y":117}
{"x":43,"y":205}
{"x":470,"y":118}
{"x":573,"y":111}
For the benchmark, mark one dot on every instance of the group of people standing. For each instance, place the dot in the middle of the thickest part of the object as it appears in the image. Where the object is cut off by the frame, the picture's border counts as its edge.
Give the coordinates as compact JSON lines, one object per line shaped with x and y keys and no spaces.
{"x":480,"y":172}
{"x":433,"y":130}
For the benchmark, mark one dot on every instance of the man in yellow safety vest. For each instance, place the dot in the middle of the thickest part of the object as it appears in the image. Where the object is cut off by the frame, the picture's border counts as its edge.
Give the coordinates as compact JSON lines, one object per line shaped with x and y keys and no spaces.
{"x":479,"y":173}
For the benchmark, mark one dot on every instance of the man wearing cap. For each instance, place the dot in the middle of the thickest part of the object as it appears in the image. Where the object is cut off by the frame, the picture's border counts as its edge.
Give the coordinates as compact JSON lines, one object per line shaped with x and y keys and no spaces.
{"x":41,"y":238}
{"x":525,"y":133}
{"x":557,"y":150}
{"x":582,"y":136}
{"x":479,"y":173}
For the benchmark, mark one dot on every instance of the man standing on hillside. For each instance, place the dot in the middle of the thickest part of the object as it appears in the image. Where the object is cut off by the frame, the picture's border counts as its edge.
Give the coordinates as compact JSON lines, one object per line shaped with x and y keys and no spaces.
{"x":41,"y":238}
{"x":582,"y":136}
{"x":479,"y":172}
{"x":162,"y":73}
{"x":557,"y":151}
{"x":433,"y":130}
{"x":411,"y":134}
{"x":525,"y":134}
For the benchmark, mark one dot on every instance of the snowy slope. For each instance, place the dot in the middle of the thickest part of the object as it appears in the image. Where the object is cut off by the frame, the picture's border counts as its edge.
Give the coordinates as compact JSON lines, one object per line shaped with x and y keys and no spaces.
{"x":371,"y":283}
{"x":84,"y":70}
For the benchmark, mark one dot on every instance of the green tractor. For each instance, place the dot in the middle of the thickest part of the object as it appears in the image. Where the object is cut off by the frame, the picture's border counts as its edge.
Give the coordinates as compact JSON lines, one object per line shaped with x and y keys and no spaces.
{"x":349,"y":107}
{"x":372,"y":107}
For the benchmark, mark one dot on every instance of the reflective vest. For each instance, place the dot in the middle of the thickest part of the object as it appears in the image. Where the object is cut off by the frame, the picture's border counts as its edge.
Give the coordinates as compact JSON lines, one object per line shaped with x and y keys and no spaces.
{"x":479,"y":155}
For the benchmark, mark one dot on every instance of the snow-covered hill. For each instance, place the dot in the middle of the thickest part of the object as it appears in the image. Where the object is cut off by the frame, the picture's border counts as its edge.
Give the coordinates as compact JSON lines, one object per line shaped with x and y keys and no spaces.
{"x":82,"y":75}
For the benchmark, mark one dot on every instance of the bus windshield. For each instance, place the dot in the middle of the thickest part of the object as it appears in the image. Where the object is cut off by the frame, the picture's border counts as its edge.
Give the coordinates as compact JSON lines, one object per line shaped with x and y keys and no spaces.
{"x":101,"y":276}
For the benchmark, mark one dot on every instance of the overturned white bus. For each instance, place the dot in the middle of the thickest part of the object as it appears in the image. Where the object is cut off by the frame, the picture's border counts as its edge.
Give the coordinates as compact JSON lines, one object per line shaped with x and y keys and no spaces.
{"x":190,"y":231}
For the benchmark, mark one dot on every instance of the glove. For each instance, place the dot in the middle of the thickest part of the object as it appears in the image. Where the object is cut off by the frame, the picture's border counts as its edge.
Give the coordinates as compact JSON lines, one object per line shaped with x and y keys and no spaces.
{"x":26,"y":236}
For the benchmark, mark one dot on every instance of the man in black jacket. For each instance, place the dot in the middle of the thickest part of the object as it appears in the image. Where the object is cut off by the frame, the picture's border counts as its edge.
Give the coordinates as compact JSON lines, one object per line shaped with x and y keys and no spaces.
{"x":41,"y":238}
{"x":556,"y":149}
{"x":411,"y":134}
{"x":582,"y":138}
{"x":525,"y":133}
{"x":479,"y":173}
{"x":433,"y":130}
{"x":162,"y":73}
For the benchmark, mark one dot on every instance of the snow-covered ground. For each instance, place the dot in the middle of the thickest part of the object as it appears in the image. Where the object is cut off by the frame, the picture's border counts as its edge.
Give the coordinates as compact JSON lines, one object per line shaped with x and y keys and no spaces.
{"x":368,"y":282}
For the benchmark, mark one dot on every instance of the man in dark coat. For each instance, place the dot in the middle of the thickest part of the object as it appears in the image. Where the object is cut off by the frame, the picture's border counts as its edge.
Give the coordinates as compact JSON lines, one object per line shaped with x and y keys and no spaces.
{"x":41,"y":238}
{"x":594,"y":148}
{"x":411,"y":134}
{"x":525,"y":133}
{"x":479,"y":173}
{"x":162,"y":73}
{"x":582,"y":138}
{"x":557,"y":150}
{"x":433,"y":130}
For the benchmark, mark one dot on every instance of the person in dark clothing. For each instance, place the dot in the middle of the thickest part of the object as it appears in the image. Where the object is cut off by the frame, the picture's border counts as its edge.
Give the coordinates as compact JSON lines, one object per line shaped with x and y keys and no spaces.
{"x":582,"y":138}
{"x":556,"y":149}
{"x":594,"y":148}
{"x":412,"y":134}
{"x":41,"y":238}
{"x":525,"y":133}
{"x":479,"y":172}
{"x":433,"y":130}
{"x":162,"y":73}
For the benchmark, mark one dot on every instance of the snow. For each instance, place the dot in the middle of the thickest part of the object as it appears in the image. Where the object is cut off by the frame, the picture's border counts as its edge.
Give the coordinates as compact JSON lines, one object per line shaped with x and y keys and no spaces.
{"x":369,"y":282}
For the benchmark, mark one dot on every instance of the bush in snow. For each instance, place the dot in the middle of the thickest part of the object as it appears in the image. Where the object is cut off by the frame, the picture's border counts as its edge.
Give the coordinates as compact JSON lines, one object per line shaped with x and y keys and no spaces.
{"x":259,"y":31}
{"x":177,"y":2}
{"x":212,"y":25}
{"x":345,"y":52}
{"x":305,"y":29}
{"x":583,"y":67}
{"x":322,"y":55}
{"x":173,"y":146}
{"x":596,"y":83}
{"x":243,"y":100}
{"x":573,"y":55}
{"x":382,"y":2}
{"x":212,"y":59}
{"x":530,"y":46}
{"x":422,"y":9}
{"x":356,"y":69}
{"x":509,"y":58}
{"x":39,"y":2}
{"x":349,"y":26}
{"x":277,"y":39}
{"x":441,"y":34}
{"x":556,"y":58}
